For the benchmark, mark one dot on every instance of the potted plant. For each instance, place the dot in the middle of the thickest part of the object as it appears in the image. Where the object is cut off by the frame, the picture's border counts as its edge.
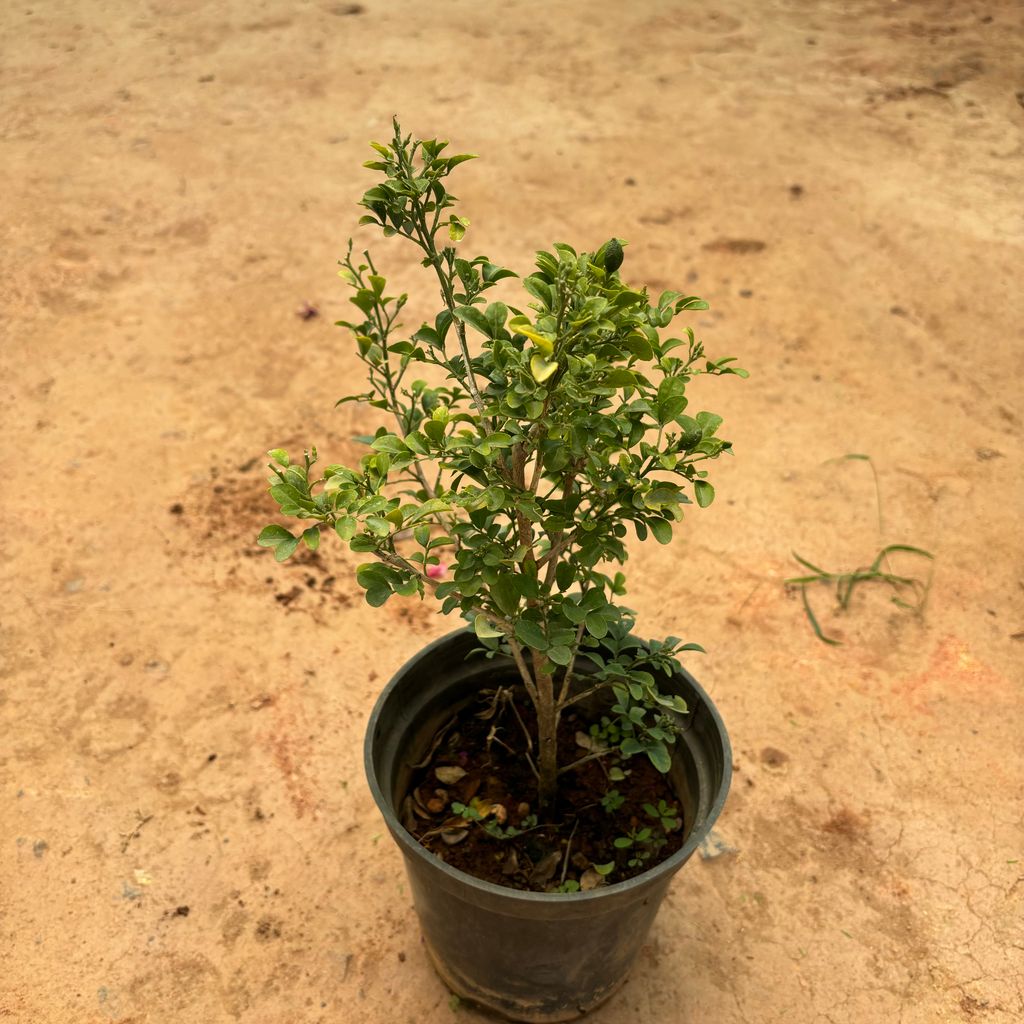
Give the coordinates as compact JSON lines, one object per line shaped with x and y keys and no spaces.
{"x":544,"y":771}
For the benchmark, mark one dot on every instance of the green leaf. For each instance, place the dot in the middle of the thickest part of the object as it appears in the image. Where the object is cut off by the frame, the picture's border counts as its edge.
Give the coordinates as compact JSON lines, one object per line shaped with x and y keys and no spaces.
{"x":472,"y":316}
{"x":542,"y":368}
{"x":364,"y":299}
{"x":662,"y":495}
{"x":671,"y":399}
{"x":659,"y":757}
{"x":605,"y":869}
{"x":280,"y":456}
{"x":346,"y":527}
{"x":564,"y":575}
{"x":638,"y":345}
{"x":709,"y":422}
{"x":900,"y":547}
{"x":493,"y":273}
{"x":539,"y":289}
{"x":285,"y":494}
{"x":312,"y":537}
{"x":574,"y":612}
{"x":620,"y":377}
{"x":505,"y":592}
{"x":428,"y":508}
{"x":389,"y":443}
{"x":434,"y":429}
{"x":428,"y":336}
{"x":271,"y":536}
{"x":704,"y":492}
{"x":421,"y":534}
{"x":496,"y":315}
{"x":531,"y":634}
{"x":813,"y":620}
{"x":285,"y":548}
{"x":662,"y":530}
{"x":484,"y":629}
{"x":378,"y":526}
{"x":371,"y":574}
{"x":416,"y":442}
{"x":691,"y":433}
{"x":597,"y":626}
{"x":377,"y":595}
{"x":559,"y":654}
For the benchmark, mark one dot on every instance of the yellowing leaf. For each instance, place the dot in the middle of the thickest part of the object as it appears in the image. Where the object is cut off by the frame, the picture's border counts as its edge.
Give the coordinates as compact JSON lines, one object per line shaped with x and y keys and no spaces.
{"x":484,"y":629}
{"x":457,"y":227}
{"x":521,"y":325}
{"x":545,"y":344}
{"x":542,"y":368}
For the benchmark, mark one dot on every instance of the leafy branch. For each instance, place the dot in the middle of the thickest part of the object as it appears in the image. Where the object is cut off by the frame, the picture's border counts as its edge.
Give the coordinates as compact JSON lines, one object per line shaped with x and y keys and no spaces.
{"x":556,"y":431}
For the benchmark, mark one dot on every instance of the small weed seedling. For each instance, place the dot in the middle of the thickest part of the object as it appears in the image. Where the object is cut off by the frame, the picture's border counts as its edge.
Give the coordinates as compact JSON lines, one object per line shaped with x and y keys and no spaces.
{"x":909,"y":592}
{"x":612,"y":801}
{"x":666,"y":815}
{"x":642,"y":842}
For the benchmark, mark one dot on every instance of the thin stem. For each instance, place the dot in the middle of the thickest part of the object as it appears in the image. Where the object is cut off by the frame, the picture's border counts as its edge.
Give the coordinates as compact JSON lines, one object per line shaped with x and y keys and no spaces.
{"x":568,"y":850}
{"x":583,"y":760}
{"x":536,"y":435}
{"x":584,"y":694}
{"x":567,"y":679}
{"x":383,"y":330}
{"x":559,"y":543}
{"x":547,"y":731}
{"x":425,"y":239}
{"x":524,"y":672}
{"x":537,"y":466}
{"x":529,"y":739}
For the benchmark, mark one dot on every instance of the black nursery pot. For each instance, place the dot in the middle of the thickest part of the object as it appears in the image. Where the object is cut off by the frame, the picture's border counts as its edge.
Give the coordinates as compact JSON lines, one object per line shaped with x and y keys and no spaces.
{"x":529,"y":956}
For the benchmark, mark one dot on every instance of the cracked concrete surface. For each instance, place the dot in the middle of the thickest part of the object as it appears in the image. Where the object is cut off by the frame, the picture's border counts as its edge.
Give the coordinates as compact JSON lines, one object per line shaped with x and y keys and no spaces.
{"x":185,"y":833}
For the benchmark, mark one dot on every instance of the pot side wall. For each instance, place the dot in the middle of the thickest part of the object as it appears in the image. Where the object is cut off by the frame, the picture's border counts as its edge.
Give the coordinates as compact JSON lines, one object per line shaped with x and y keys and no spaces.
{"x":528,"y":956}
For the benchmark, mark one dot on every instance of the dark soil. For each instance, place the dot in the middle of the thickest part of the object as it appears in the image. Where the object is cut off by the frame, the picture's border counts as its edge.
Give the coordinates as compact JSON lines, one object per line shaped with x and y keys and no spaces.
{"x":553,"y":850}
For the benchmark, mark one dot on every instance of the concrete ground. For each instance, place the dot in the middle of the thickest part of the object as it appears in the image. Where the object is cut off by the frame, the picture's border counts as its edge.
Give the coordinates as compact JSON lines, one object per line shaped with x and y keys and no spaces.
{"x":185,"y":832}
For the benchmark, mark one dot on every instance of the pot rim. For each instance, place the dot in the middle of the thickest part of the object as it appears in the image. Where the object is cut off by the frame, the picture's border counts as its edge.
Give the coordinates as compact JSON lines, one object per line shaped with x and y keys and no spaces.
{"x":661,"y":871}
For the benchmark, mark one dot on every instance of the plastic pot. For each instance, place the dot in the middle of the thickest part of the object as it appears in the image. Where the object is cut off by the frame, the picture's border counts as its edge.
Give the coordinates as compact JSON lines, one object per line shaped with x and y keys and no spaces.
{"x":529,"y":956}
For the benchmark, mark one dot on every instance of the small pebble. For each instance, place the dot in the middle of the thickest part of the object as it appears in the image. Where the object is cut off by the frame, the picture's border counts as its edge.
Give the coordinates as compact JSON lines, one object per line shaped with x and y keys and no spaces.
{"x":714,"y":846}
